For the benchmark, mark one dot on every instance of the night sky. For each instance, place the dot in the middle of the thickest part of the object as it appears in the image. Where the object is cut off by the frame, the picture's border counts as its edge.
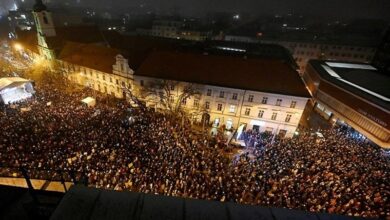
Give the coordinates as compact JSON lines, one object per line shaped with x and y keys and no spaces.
{"x":329,"y":8}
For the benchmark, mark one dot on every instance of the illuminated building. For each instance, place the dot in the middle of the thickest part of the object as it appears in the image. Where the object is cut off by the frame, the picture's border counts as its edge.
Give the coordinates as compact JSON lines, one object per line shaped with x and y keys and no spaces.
{"x":356,"y":94}
{"x":45,"y":28}
{"x":262,"y":92}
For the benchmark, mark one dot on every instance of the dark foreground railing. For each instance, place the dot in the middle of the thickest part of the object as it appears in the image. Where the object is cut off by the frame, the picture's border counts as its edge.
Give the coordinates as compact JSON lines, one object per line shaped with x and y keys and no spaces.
{"x":49,"y":175}
{"x":90,"y":203}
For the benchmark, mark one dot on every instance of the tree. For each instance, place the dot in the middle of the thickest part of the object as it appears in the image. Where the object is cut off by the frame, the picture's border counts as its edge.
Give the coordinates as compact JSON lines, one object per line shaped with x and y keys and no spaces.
{"x":134,"y":100}
{"x":170,"y":95}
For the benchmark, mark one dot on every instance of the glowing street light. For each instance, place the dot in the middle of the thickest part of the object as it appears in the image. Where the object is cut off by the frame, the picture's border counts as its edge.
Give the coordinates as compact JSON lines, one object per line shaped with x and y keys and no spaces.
{"x":18,"y":46}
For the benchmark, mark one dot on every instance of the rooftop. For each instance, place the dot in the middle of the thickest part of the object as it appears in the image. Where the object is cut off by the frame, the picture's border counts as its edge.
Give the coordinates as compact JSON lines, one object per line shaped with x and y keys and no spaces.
{"x":264,"y":75}
{"x":88,"y":55}
{"x":361,"y":79}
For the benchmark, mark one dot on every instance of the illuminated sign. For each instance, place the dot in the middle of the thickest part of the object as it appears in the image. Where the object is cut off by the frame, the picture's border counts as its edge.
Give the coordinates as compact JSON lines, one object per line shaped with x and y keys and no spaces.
{"x":368,"y":115}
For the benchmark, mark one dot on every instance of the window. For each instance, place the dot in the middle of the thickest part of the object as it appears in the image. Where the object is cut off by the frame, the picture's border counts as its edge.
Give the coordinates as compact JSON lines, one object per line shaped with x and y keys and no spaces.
{"x":247,"y":111}
{"x":172,"y":87}
{"x":110,"y":79}
{"x":141,"y":82}
{"x":104,"y":77}
{"x":196,"y":102}
{"x":45,"y":20}
{"x":117,"y":81}
{"x":293,"y":104}
{"x":234,"y":97}
{"x":209,"y":92}
{"x":261,"y":113}
{"x":221,"y":94}
{"x":207,"y":105}
{"x":250,"y":98}
{"x":219,"y":107}
{"x":288,"y":118}
{"x":265,"y":100}
{"x":171,"y":99}
{"x":232,"y":109}
{"x":278,"y":102}
{"x":274,"y":115}
{"x":184,"y":101}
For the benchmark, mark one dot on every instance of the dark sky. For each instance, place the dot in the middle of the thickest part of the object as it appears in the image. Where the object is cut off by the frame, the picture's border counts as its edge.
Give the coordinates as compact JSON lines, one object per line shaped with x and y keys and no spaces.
{"x":334,"y":8}
{"x":328,"y":8}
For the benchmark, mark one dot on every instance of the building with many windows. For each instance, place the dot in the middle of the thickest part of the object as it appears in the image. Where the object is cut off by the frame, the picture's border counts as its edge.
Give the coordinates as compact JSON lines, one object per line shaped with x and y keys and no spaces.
{"x":264,"y":94}
{"x":303,"y":51}
{"x":356,"y":94}
{"x":176,"y":29}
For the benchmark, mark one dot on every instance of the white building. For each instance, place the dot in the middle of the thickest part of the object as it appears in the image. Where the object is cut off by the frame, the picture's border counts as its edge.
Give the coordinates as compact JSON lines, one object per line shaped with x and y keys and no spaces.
{"x":263,"y":94}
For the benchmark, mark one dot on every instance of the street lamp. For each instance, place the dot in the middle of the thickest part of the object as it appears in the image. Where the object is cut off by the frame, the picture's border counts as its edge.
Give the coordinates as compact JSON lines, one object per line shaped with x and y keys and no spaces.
{"x":18,"y":46}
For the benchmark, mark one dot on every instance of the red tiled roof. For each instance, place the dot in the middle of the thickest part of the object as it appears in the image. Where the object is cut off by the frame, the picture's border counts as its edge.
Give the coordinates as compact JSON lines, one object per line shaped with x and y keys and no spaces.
{"x":264,"y":75}
{"x":89,"y":55}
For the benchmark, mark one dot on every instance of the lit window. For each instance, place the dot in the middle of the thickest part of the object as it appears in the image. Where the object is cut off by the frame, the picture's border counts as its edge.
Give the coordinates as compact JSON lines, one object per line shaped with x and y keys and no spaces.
{"x":232,"y":109}
{"x":209,"y":92}
{"x":274,"y":115}
{"x":261,"y":113}
{"x":288,"y":118}
{"x":247,"y":111}
{"x":278,"y":102}
{"x":293,"y":104}
{"x":234,"y":97}
{"x":221,"y":94}
{"x":265,"y":100}
{"x":250,"y":98}
{"x":219,"y":108}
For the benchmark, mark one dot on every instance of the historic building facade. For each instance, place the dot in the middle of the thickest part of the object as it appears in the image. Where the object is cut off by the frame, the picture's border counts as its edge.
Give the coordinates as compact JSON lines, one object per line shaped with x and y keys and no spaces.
{"x":262,"y":94}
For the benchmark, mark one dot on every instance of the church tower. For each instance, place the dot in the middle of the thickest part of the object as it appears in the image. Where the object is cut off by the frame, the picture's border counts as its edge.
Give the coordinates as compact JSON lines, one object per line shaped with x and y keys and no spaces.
{"x":45,"y":28}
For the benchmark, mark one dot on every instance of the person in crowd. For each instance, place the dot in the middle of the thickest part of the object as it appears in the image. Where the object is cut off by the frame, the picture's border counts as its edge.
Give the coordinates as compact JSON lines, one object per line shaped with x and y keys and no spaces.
{"x":155,"y":154}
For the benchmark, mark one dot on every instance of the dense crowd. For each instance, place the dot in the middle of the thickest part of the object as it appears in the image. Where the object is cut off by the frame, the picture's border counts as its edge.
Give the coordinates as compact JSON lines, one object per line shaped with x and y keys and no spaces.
{"x":152,"y":153}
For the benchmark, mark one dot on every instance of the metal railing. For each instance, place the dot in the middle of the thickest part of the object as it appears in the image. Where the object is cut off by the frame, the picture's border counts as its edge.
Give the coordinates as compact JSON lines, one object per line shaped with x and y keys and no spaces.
{"x":50,"y":175}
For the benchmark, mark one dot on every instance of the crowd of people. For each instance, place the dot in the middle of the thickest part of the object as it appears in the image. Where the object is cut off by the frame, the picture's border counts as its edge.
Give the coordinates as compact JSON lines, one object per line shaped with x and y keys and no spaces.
{"x":152,"y":153}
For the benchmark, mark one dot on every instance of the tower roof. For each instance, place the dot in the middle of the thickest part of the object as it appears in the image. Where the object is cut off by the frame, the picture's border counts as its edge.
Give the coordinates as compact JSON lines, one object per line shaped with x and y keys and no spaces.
{"x":39,"y":6}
